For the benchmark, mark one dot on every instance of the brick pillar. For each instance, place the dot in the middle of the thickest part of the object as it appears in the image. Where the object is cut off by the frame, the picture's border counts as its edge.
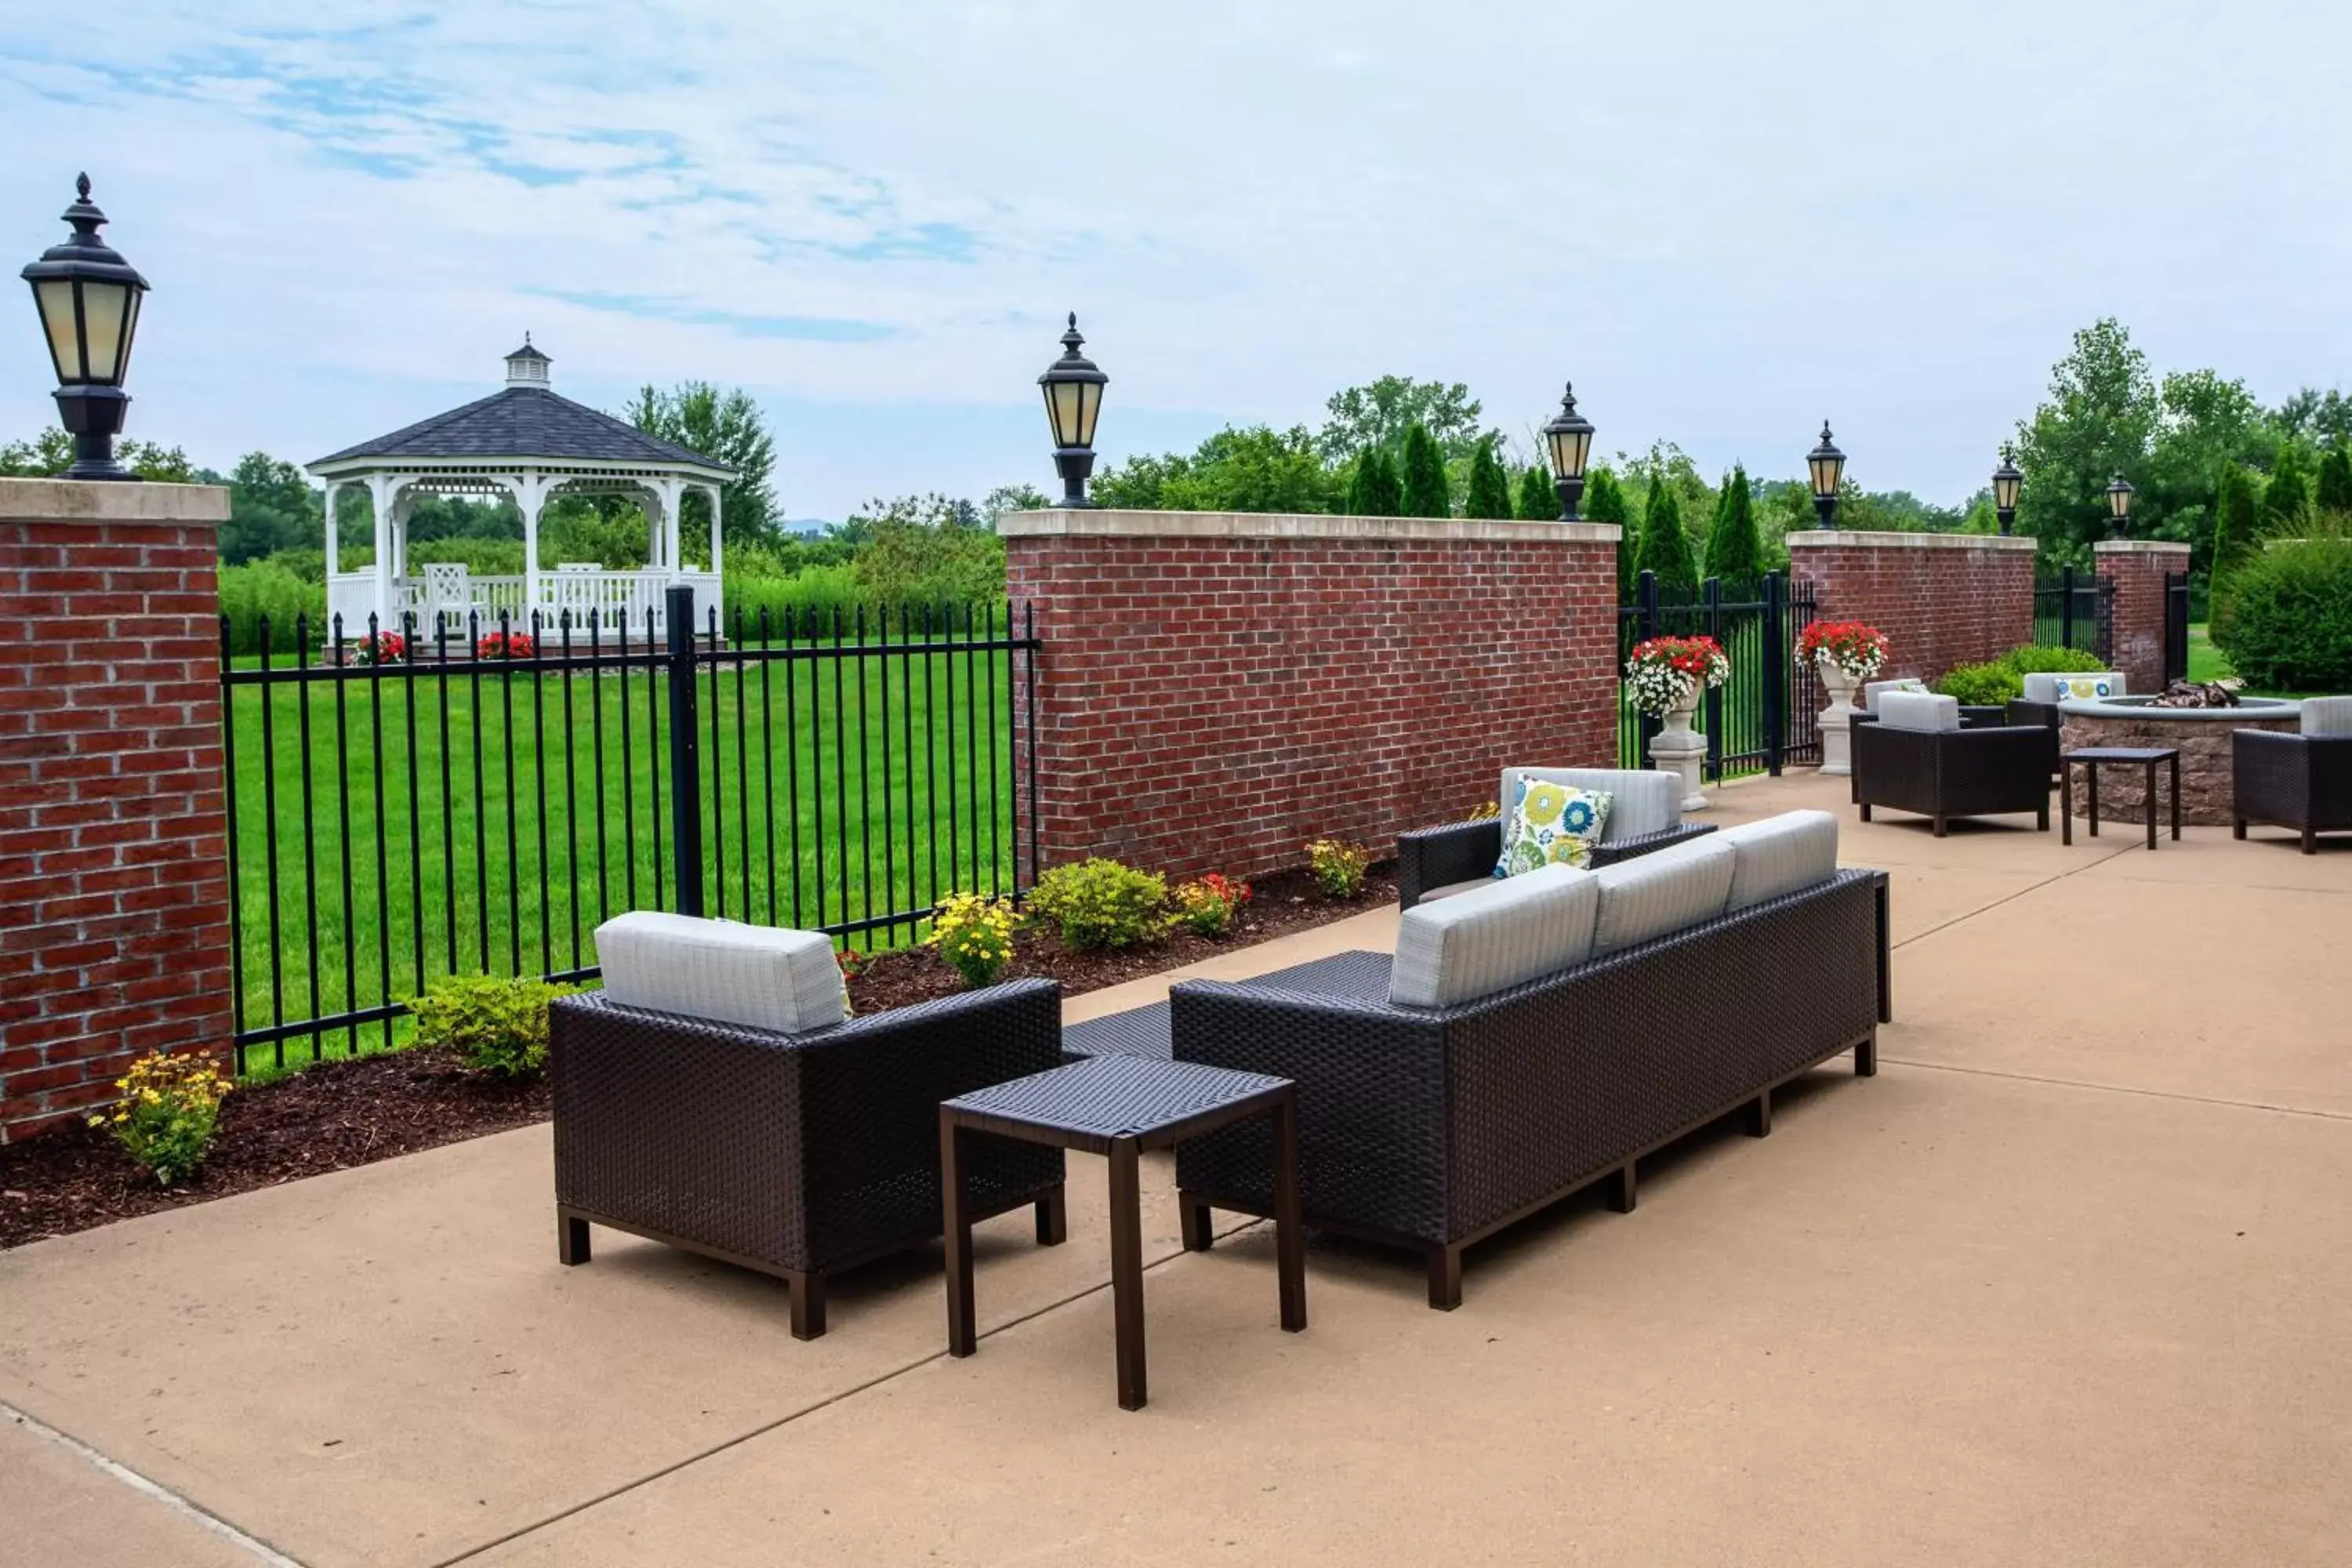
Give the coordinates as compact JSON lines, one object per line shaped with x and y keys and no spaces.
{"x":2137,"y":567}
{"x":1942,"y":599}
{"x":1216,"y":689}
{"x":113,"y":881}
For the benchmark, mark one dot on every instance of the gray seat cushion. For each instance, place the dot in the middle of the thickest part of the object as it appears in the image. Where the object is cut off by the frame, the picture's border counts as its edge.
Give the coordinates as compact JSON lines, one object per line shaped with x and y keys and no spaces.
{"x":1643,"y":801}
{"x":1783,"y":854}
{"x":2328,"y":716}
{"x":1451,"y":889}
{"x":1493,"y":938}
{"x":2042,"y":687}
{"x":1654,"y":894}
{"x":760,"y":977}
{"x":1918,"y":711}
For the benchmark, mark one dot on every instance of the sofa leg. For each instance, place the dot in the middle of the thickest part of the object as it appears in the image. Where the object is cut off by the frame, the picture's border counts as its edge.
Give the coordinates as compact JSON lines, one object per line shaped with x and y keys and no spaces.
{"x":808,"y":1305}
{"x":2311,"y":841}
{"x":1865,"y":1055}
{"x":2238,"y":828}
{"x":1623,"y":1188}
{"x":1445,"y":1277}
{"x":2042,"y":819}
{"x":1758,"y":1116}
{"x":1866,"y":810}
{"x":1199,"y":1223}
{"x":571,"y":1237}
{"x":1053,"y":1219}
{"x":1939,"y":825}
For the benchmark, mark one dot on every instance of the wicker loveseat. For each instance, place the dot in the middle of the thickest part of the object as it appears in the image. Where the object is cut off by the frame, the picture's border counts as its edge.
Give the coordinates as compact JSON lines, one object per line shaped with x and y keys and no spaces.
{"x":1482,"y":1072}
{"x":798,"y":1151}
{"x":1916,"y":757}
{"x":1645,"y":815}
{"x":2302,"y":782}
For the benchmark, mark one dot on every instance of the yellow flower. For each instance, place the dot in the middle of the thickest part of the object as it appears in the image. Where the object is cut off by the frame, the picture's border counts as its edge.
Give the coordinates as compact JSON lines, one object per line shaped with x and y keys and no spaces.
{"x":1543,"y":804}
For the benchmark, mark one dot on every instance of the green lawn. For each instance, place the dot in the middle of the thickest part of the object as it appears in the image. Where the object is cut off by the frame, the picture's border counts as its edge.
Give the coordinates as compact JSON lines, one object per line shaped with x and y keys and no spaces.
{"x":2205,"y":662}
{"x":493,"y":818}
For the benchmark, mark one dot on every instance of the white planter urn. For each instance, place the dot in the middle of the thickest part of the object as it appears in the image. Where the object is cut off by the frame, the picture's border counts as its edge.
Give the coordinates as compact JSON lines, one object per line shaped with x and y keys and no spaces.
{"x":1678,"y":749}
{"x":1837,"y":719}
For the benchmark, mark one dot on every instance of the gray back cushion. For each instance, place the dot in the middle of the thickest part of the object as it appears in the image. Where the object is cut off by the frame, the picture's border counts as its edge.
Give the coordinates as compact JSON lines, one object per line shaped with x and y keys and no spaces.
{"x":759,"y":975}
{"x":1874,"y":690}
{"x":1645,"y":801}
{"x":2042,"y":686}
{"x":1783,"y":854}
{"x":2328,"y":716}
{"x":1493,"y":938}
{"x":1918,"y":711}
{"x":1662,"y":892}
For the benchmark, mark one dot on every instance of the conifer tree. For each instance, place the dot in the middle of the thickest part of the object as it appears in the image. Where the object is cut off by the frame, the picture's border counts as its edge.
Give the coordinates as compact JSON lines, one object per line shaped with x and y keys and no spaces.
{"x":1734,"y":552}
{"x":2288,"y":495}
{"x":1375,"y":490}
{"x":1666,"y":549}
{"x":2336,"y":482}
{"x":2234,"y":529}
{"x":1538,"y":502}
{"x":1490,"y":489}
{"x":1605,"y":502}
{"x":1425,"y":493}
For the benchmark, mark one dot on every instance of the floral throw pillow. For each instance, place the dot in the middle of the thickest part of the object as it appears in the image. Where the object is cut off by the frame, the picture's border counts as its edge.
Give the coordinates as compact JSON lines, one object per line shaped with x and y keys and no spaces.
{"x":1551,"y":824}
{"x":2083,"y":687}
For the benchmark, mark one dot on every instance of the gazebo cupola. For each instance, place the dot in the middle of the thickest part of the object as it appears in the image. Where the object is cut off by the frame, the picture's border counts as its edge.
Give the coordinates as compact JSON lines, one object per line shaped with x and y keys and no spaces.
{"x":528,"y":444}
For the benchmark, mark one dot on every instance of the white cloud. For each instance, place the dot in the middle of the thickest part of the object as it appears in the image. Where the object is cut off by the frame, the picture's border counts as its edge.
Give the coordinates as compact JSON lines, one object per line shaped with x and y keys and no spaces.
{"x":1724,"y":220}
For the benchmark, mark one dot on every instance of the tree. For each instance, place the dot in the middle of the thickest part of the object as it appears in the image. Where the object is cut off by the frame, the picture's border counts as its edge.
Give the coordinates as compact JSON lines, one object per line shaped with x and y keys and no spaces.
{"x":1537,"y":501}
{"x":1666,"y":549}
{"x":1256,"y":470}
{"x":1490,"y":489}
{"x":926,"y":549}
{"x":51,"y":453}
{"x":2287,"y":496}
{"x":1010,"y":498}
{"x":1605,"y":502}
{"x":2314,"y":415}
{"x":1425,"y":493}
{"x":2100,"y":414}
{"x":1375,"y":490}
{"x":2235,"y":528}
{"x":1734,"y":552}
{"x":2335,"y":493}
{"x":271,"y":507}
{"x":1379,"y":415}
{"x":728,"y":427}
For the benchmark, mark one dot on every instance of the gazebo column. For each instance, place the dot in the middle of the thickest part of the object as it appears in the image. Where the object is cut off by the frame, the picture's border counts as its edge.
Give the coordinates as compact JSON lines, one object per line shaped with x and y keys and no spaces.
{"x":531,"y":495}
{"x":334,"y":553}
{"x":381,"y":489}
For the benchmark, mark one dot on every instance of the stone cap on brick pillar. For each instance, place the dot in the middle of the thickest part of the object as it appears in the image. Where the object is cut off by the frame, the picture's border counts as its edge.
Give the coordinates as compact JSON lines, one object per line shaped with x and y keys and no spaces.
{"x":89,"y":501}
{"x":2140,"y":547}
{"x":1888,"y":538}
{"x":1118,"y":524}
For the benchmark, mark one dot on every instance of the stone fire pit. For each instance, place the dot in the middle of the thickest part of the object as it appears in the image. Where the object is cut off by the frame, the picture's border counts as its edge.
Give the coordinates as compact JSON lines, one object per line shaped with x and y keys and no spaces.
{"x":2201,"y":735}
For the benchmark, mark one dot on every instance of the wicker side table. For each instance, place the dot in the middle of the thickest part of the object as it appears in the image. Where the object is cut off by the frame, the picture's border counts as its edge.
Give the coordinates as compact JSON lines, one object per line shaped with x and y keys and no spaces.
{"x":1119,"y":1106}
{"x":2090,"y":757}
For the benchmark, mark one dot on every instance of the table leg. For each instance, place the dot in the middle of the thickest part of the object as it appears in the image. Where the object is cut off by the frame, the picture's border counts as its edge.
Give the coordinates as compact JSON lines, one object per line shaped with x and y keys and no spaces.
{"x":2176,"y":797}
{"x":1126,"y":1270}
{"x":2091,"y":777}
{"x":2065,"y":802}
{"x":2150,"y":803}
{"x":956,"y":1225}
{"x":1289,"y":1243}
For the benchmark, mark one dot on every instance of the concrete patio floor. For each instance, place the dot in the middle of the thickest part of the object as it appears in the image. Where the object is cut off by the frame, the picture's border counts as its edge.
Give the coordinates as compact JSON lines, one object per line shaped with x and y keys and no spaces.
{"x":2065,"y":1283}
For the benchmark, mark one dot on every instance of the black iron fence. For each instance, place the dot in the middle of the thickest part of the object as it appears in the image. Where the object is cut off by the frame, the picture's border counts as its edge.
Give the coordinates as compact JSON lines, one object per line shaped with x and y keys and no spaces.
{"x":445,"y":813}
{"x":1766,"y":715}
{"x":2077,"y":610}
{"x":2175,"y":625}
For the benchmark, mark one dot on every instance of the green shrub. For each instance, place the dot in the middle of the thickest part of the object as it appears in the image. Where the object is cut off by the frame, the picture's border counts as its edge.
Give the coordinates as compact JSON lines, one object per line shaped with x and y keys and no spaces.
{"x":1338,"y":866}
{"x":1426,"y":490}
{"x":1536,"y":502}
{"x":2287,"y":626}
{"x":974,"y":935}
{"x":809,"y":597}
{"x":1101,"y":903}
{"x":1490,"y":489}
{"x":480,"y":557}
{"x":2002,"y":680}
{"x":498,"y":1025}
{"x":167,"y":1115}
{"x":265,"y":587}
{"x":1665,"y":548}
{"x":1375,"y":489}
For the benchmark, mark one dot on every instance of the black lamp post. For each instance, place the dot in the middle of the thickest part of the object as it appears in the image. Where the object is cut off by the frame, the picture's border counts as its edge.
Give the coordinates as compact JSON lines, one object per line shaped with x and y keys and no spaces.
{"x":1827,"y":465}
{"x":1569,"y":437}
{"x":88,"y":299}
{"x":2119,"y":495}
{"x":1073,"y":387}
{"x":2006,"y":482}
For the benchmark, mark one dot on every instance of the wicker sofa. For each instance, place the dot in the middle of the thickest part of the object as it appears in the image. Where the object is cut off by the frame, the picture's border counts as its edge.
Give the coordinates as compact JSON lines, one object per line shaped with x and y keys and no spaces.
{"x":1916,"y":757}
{"x":1435,"y":1112}
{"x":2302,"y":781}
{"x":1645,"y":815}
{"x":799,"y":1150}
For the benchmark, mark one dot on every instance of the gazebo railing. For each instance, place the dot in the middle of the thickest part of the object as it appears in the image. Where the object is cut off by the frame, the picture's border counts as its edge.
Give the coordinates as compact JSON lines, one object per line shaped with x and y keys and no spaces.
{"x":608,"y":599}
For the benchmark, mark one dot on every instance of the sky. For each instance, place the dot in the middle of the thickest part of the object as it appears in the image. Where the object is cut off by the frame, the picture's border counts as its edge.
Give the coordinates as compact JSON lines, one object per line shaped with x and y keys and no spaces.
{"x":1724,"y":221}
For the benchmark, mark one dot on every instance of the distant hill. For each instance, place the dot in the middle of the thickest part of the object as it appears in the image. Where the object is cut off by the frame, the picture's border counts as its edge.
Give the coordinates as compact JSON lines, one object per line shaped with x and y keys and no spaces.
{"x":806,"y":527}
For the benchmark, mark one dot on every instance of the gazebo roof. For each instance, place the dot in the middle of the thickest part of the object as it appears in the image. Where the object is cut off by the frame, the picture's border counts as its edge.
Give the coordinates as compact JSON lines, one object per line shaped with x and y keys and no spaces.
{"x":526,"y":421}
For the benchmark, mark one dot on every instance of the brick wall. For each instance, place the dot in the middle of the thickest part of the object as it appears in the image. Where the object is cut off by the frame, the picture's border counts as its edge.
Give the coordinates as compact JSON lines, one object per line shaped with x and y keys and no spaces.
{"x":1215,"y":691}
{"x":1942,"y":599}
{"x":2137,"y":567}
{"x":113,"y":892}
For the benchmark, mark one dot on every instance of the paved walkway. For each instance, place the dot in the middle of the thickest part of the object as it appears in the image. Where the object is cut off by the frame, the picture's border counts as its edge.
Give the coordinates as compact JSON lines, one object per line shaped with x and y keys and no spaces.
{"x":2066,"y":1284}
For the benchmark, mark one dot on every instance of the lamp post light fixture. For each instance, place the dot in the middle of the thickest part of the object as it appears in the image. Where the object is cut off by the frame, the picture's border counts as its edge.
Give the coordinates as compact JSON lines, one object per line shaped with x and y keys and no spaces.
{"x":88,"y":299}
{"x":2006,"y":482}
{"x":2119,"y":495}
{"x":1072,"y":385}
{"x":1827,"y":465}
{"x":1569,"y":438}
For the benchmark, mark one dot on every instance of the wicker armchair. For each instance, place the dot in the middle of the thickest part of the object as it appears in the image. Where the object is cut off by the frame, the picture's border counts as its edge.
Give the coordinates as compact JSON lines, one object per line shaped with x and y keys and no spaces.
{"x":798,"y":1155}
{"x":1948,"y":773}
{"x":2302,"y":781}
{"x":1431,"y":1129}
{"x":1433,"y":861}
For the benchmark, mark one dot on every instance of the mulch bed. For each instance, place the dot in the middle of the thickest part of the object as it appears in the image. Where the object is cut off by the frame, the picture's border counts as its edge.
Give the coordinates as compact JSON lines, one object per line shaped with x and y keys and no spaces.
{"x":339,"y":1114}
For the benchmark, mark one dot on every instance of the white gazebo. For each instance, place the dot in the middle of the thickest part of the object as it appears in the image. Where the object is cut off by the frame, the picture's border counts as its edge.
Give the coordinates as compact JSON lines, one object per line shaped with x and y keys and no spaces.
{"x":528,"y":443}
